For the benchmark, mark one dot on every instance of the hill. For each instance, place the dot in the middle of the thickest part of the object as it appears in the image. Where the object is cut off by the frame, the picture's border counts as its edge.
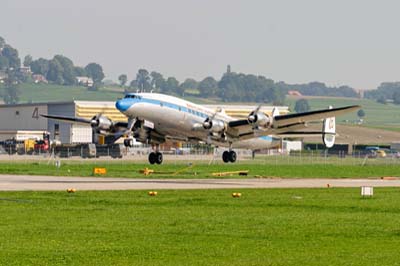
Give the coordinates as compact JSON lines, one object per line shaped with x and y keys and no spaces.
{"x":380,"y":116}
{"x":51,"y":92}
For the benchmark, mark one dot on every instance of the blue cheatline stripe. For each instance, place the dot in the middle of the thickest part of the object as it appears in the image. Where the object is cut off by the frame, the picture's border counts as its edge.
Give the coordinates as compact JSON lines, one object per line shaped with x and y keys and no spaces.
{"x":166,"y":104}
{"x":266,"y":138}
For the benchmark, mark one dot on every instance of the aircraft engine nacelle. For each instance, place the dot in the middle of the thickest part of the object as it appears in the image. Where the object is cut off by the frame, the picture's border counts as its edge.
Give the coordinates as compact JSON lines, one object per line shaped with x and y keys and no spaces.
{"x":259,"y":119}
{"x":101,"y":123}
{"x":214,"y":125}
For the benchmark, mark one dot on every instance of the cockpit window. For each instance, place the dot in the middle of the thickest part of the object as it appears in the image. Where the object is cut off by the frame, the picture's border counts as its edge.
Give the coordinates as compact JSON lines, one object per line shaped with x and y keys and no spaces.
{"x":132,"y":96}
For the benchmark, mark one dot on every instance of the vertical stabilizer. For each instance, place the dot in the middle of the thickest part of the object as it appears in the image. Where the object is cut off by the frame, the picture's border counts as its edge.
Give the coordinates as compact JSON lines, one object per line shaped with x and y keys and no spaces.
{"x":329,"y":131}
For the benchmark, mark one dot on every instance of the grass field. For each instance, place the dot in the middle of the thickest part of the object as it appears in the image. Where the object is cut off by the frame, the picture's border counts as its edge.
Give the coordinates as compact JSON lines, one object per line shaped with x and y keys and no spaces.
{"x":285,"y":167}
{"x":200,"y":227}
{"x":53,"y":92}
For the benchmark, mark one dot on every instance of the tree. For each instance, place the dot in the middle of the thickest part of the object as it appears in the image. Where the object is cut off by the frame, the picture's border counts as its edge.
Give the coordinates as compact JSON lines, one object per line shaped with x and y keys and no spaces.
{"x":133,"y":84}
{"x":79,"y":72}
{"x":301,"y":106}
{"x":143,"y":79}
{"x":188,"y":84}
{"x":396,"y":97}
{"x":12,"y":55}
{"x":27,"y":60}
{"x":68,"y":71}
{"x":381,"y":99}
{"x":55,"y":73}
{"x":361,"y":113}
{"x":2,"y":42}
{"x":40,"y":66}
{"x":123,"y":78}
{"x":157,"y":81}
{"x":95,"y":71}
{"x":3,"y":62}
{"x":171,"y":85}
{"x":208,"y":87}
{"x":11,"y":92}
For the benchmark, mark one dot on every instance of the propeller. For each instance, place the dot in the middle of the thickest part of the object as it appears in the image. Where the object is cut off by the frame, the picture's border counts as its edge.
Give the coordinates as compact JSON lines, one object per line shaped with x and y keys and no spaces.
{"x":253,"y":115}
{"x":94,"y":122}
{"x":207,"y":124}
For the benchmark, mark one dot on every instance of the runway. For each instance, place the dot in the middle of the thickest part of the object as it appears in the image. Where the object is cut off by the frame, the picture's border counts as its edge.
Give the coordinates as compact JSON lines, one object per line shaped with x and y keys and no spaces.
{"x":43,"y":183}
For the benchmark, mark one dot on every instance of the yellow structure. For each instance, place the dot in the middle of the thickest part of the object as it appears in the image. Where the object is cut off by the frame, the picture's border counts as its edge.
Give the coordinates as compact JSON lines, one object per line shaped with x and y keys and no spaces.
{"x":99,"y":171}
{"x":29,"y":145}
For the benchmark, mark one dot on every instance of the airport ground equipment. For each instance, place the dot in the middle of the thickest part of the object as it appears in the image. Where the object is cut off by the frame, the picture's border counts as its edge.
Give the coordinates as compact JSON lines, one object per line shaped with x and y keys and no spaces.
{"x":90,"y":150}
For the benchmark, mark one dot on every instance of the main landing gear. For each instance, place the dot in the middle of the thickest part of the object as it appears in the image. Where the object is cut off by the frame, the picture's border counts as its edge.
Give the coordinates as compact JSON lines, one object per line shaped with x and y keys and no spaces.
{"x":229,"y":156}
{"x":155,"y":157}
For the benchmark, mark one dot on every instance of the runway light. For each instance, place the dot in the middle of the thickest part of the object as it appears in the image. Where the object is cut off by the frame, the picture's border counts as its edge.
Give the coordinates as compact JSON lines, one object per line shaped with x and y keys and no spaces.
{"x":71,"y":190}
{"x":236,"y":195}
{"x":152,"y":193}
{"x":328,"y":185}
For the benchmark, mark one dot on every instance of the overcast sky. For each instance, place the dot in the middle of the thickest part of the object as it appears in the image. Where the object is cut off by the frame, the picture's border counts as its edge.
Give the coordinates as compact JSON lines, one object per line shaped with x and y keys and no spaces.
{"x":338,"y":42}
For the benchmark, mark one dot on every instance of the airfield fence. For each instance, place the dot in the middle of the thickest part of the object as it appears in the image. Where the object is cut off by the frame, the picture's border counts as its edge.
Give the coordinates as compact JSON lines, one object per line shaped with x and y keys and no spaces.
{"x":205,"y":156}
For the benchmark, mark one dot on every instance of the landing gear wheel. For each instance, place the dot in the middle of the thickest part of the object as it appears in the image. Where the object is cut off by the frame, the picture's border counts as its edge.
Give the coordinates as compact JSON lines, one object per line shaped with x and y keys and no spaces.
{"x":232,"y":156}
{"x":225,"y":156}
{"x":159,"y":157}
{"x":152,"y":158}
{"x":128,"y":142}
{"x":155,"y":157}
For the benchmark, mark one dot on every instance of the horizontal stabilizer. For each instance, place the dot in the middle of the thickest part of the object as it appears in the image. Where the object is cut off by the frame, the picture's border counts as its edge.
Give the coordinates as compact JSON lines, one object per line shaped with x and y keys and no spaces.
{"x":282,"y":120}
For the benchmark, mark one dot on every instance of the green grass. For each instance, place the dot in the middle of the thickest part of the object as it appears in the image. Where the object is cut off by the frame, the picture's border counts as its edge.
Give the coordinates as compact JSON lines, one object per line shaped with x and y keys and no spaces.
{"x":280,"y":168}
{"x":384,"y":116}
{"x":30,"y":92}
{"x":200,"y":227}
{"x":53,"y":92}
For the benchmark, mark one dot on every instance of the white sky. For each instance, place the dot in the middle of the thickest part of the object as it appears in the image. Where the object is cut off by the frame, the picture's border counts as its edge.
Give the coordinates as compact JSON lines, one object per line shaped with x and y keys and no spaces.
{"x":338,"y":42}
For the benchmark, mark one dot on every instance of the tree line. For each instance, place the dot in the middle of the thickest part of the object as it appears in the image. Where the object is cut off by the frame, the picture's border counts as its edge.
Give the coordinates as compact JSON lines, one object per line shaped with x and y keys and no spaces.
{"x":58,"y":70}
{"x":386,"y":92}
{"x":232,"y":86}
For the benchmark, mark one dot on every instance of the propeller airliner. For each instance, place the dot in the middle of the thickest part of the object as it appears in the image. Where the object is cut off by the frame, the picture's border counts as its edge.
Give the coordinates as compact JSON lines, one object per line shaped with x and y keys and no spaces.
{"x":155,"y":118}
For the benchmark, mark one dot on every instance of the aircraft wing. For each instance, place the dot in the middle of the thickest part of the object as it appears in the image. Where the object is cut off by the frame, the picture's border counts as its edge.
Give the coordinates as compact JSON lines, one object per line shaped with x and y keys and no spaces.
{"x":281,"y":124}
{"x":80,"y":120}
{"x":68,"y":119}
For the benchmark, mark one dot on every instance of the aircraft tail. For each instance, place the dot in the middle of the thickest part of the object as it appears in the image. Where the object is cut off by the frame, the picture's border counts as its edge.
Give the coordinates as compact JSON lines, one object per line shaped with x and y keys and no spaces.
{"x":329,"y":131}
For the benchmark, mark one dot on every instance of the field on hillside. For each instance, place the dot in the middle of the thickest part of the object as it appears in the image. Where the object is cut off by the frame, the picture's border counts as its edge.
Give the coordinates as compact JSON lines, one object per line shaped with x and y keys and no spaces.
{"x":385,"y":116}
{"x":53,"y":92}
{"x":200,"y":227}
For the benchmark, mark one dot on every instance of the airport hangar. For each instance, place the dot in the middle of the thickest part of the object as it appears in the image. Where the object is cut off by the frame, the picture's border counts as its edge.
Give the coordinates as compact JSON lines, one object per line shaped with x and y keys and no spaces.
{"x":23,"y":121}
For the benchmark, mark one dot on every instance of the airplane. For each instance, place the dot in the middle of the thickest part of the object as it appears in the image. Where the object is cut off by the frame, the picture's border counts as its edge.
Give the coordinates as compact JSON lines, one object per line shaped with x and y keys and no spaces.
{"x":155,"y":118}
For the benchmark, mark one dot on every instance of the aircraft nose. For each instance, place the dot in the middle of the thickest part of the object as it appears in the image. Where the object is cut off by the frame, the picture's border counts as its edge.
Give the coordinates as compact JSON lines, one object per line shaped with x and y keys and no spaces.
{"x":122,"y":105}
